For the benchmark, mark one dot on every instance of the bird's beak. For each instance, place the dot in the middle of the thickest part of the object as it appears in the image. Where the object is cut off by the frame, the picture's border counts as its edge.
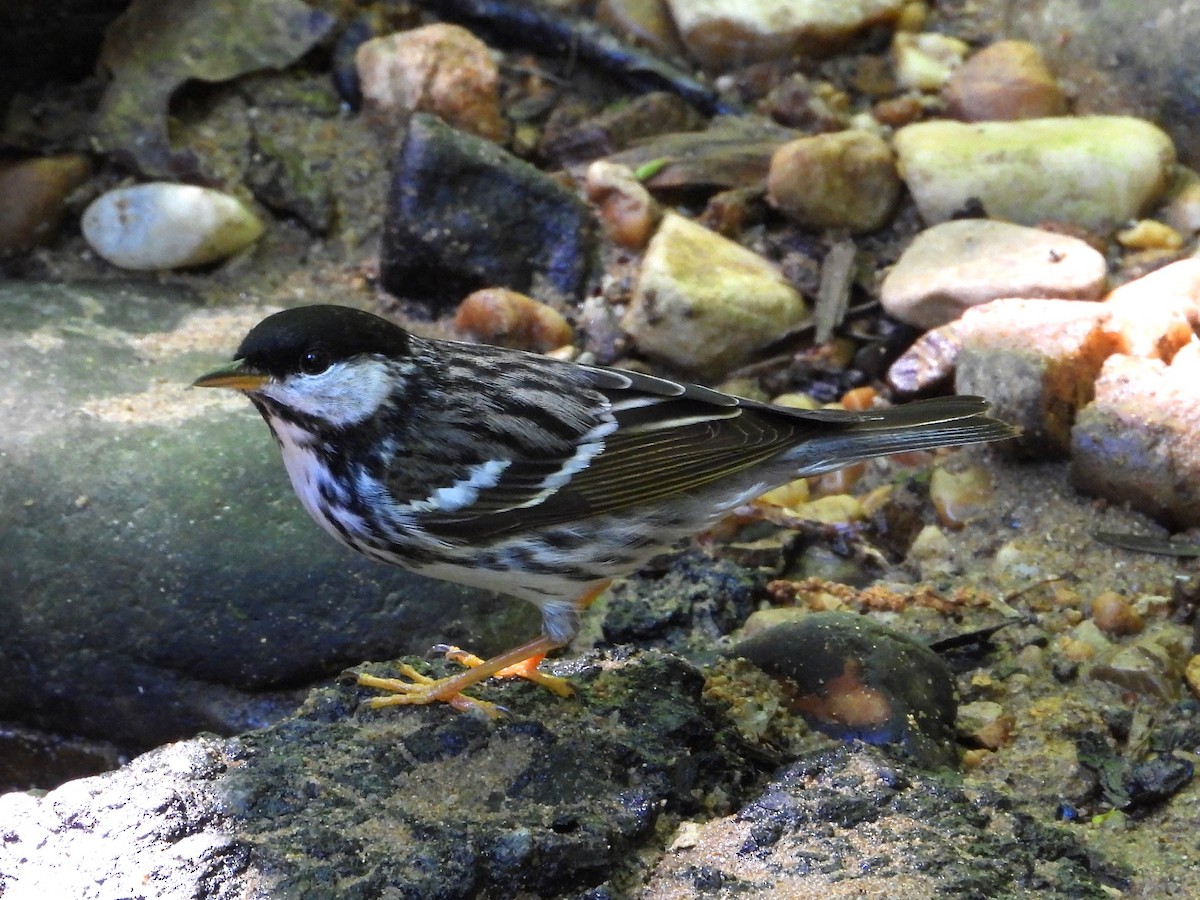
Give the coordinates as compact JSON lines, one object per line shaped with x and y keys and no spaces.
{"x":233,"y":375}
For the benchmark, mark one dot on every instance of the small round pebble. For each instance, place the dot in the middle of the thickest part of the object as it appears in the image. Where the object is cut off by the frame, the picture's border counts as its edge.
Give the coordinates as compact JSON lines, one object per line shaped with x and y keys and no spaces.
{"x":511,"y":319}
{"x":1006,"y":81}
{"x":842,"y":180}
{"x":1114,"y":615}
{"x":626,"y":210}
{"x":161,"y":225}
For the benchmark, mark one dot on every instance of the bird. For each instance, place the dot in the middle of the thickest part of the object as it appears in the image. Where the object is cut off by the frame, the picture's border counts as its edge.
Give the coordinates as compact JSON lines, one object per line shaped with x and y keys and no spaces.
{"x":527,"y":475}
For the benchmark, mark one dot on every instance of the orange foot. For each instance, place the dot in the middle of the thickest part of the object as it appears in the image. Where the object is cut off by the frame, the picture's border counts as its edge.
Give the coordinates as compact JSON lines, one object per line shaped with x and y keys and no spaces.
{"x":413,"y":688}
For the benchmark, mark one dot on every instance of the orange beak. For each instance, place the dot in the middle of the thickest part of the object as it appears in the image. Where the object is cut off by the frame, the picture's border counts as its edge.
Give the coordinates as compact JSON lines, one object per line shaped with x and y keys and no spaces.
{"x":233,"y":375}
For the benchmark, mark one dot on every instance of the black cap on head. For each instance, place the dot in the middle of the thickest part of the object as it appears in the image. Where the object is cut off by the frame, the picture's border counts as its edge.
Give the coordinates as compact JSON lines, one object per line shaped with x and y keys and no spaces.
{"x":280,"y":343}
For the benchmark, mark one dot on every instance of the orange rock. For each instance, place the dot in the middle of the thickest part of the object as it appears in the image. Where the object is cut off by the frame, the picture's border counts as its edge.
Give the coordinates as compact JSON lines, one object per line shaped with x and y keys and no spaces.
{"x":1113,"y":615}
{"x":508,"y":318}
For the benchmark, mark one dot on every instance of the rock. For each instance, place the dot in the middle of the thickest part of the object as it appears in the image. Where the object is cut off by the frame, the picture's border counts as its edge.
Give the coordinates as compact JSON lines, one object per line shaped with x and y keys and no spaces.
{"x":1138,"y":442}
{"x":35,"y":193}
{"x":1148,"y":317}
{"x":985,"y":724}
{"x":159,"y":576}
{"x":1152,"y":665}
{"x":1114,"y":615}
{"x":1121,"y":57}
{"x":1036,"y":361}
{"x":407,"y":803}
{"x":960,"y":496}
{"x":158,"y":45}
{"x":441,"y":69}
{"x":289,"y":178}
{"x":1181,"y":206}
{"x":842,"y":180}
{"x":853,"y":678}
{"x":647,"y":23}
{"x":1147,"y":234}
{"x":616,"y":128}
{"x":858,"y":822}
{"x":925,"y":61}
{"x":954,"y":266}
{"x":627,"y":211}
{"x":510,"y":319}
{"x":464,"y":214}
{"x":723,"y":34}
{"x":1091,"y":171}
{"x":160,"y":225}
{"x":704,"y":303}
{"x":1005,"y":81}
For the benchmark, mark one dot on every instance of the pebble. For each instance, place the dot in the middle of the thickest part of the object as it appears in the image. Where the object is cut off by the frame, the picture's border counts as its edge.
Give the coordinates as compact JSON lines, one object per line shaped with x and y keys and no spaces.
{"x":1152,"y":665}
{"x":511,"y":319}
{"x":1148,"y":234}
{"x":1191,"y":674}
{"x":954,"y":266}
{"x":985,"y":722}
{"x":1091,"y":171}
{"x":161,"y":225}
{"x":441,"y":69}
{"x":723,"y":34}
{"x":1005,"y":81}
{"x":1138,"y":441}
{"x":959,"y":497}
{"x":1114,"y":615}
{"x":705,"y":303}
{"x":924,"y":61}
{"x":35,"y":193}
{"x":857,"y":679}
{"x":845,"y":180}
{"x":627,"y":212}
{"x":1181,"y":206}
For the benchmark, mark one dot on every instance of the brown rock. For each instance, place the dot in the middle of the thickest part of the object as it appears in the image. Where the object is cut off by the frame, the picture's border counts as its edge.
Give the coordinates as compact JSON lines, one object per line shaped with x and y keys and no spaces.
{"x":35,"y":193}
{"x":1114,"y":615}
{"x":626,"y":210}
{"x":842,"y":180}
{"x":440,"y":69}
{"x":1008,"y":80}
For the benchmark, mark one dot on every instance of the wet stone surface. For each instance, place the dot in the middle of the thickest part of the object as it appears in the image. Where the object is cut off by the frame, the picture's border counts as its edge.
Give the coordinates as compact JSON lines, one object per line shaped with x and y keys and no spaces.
{"x":160,"y":577}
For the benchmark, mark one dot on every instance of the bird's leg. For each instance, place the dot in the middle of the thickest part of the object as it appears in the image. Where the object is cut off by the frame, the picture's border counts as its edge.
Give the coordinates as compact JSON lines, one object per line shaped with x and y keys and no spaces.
{"x":421,"y":689}
{"x":520,"y":662}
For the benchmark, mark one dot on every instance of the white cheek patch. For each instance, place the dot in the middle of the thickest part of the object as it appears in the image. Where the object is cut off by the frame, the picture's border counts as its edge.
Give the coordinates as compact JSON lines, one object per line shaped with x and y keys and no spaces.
{"x":341,"y":395}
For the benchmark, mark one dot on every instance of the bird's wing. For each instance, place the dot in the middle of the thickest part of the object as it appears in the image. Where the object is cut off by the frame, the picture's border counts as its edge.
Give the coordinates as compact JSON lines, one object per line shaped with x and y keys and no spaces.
{"x":657,"y":439}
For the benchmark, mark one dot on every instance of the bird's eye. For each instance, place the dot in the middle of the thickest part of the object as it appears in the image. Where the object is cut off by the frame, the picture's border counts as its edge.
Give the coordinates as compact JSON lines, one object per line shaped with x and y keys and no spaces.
{"x":314,"y":362}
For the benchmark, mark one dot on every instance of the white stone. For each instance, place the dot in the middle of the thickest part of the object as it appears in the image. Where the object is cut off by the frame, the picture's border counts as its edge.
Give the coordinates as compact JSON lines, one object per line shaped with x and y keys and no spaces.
{"x":705,"y":303}
{"x":162,"y":225}
{"x":1093,"y":171}
{"x":956,"y":265}
{"x":721,"y":34}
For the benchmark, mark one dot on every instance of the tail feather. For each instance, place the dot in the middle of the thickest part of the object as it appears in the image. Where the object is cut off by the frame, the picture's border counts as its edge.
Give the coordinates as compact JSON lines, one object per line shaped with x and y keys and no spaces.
{"x":922,"y":425}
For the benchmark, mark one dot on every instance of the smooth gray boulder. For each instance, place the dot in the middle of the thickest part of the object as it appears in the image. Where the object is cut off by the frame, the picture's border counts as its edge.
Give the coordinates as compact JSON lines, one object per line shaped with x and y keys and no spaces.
{"x":157,"y":575}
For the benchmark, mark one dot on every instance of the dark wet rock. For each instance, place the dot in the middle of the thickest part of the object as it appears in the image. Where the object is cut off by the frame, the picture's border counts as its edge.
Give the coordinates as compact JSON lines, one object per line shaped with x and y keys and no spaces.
{"x":1133,"y":785}
{"x":464,"y":214}
{"x":158,"y":45}
{"x":856,"y":679}
{"x":855,"y":822}
{"x":30,"y":758}
{"x":687,"y":610}
{"x":289,"y":179}
{"x":415,"y":803}
{"x":157,"y":575}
